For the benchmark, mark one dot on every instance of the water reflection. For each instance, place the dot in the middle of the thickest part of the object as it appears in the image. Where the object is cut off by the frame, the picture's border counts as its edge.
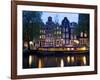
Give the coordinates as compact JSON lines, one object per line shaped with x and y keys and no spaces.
{"x":72,"y":59}
{"x":84,"y":60}
{"x":33,"y":61}
{"x":68,"y":59}
{"x":30,"y":60}
{"x":62,"y":62}
{"x":40,"y":63}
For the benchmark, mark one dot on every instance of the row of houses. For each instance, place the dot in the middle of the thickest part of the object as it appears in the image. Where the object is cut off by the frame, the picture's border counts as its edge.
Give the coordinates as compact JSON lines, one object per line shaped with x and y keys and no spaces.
{"x":55,"y":35}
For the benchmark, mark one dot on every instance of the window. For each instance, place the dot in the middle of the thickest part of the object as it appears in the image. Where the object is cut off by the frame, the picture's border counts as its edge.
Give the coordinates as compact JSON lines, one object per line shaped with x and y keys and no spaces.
{"x":72,"y":30}
{"x":58,"y":32}
{"x":57,"y":27}
{"x":63,"y":35}
{"x":81,"y":34}
{"x":67,"y":35}
{"x":63,"y":29}
{"x":67,"y":41}
{"x":66,"y":29}
{"x":85,"y":35}
{"x":40,"y":37}
{"x":42,"y":31}
{"x":72,"y":37}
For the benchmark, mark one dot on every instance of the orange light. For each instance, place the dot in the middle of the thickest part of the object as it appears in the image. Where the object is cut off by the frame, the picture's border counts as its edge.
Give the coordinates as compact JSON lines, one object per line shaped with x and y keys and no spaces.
{"x":84,"y":60}
{"x":72,"y":58}
{"x":72,"y":49}
{"x":82,"y":48}
{"x":30,"y":60}
{"x":68,"y":59}
{"x":62,"y":63}
{"x":40,"y":63}
{"x":68,"y":49}
{"x":26,"y":44}
{"x":76,"y":41}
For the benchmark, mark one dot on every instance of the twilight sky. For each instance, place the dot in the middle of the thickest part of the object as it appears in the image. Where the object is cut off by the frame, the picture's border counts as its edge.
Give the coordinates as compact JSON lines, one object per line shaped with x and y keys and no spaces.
{"x":72,"y":17}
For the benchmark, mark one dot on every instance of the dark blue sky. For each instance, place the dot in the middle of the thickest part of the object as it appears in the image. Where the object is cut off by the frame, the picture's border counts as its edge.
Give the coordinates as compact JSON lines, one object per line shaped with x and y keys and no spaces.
{"x":72,"y":17}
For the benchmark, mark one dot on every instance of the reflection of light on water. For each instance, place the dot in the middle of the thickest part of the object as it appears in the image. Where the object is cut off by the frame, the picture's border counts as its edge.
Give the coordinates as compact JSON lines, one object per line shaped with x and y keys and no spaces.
{"x":84,"y":60}
{"x":68,"y":59}
{"x":40,"y":63}
{"x":62,"y":62}
{"x":30,"y":60}
{"x":56,"y":59}
{"x":72,"y":58}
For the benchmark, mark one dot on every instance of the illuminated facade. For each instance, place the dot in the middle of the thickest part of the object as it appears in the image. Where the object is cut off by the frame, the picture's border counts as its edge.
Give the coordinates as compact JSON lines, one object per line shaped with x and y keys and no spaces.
{"x":47,"y":34}
{"x":55,"y":35}
{"x":73,"y":38}
{"x":84,"y":39}
{"x":66,"y":31}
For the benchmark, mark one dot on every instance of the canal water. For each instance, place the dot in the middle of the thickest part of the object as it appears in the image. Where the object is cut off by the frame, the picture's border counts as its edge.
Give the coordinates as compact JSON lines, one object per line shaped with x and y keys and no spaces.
{"x":66,"y":60}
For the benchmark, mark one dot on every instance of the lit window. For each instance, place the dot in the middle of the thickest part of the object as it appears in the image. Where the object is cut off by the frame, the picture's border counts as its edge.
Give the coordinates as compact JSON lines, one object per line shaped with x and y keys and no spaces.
{"x":58,"y":32}
{"x":81,"y":34}
{"x":44,"y":31}
{"x":85,"y":35}
{"x":26,"y":44}
{"x":57,"y":27}
{"x":67,"y":35}
{"x":63,"y":35}
{"x":67,"y":41}
{"x":66,"y":29}
{"x":74,"y":36}
{"x":40,"y":31}
{"x":30,"y":42}
{"x":71,"y":36}
{"x":43,"y":36}
{"x":40,"y":37}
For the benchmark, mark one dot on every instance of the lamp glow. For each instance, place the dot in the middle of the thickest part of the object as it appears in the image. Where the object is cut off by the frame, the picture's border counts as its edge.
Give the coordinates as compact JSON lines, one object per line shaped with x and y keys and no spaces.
{"x":30,"y":60}
{"x":68,"y":59}
{"x":84,"y":60}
